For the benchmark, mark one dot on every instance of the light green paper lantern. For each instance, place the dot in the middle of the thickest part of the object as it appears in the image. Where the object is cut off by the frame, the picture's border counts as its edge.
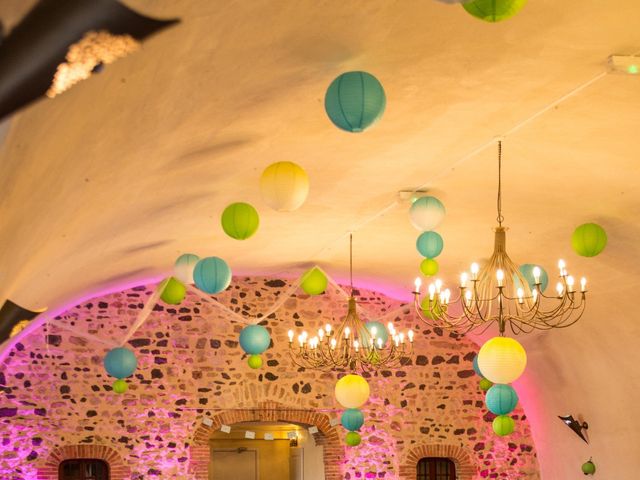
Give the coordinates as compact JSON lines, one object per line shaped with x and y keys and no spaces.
{"x":255,"y":361}
{"x":173,"y":291}
{"x":494,"y":10}
{"x":485,"y":384}
{"x":429,"y":267}
{"x":589,"y":468}
{"x":503,"y":425}
{"x":314,"y":282}
{"x":120,"y":386}
{"x":427,"y":305}
{"x":353,"y":439}
{"x":240,"y":220}
{"x":589,"y":240}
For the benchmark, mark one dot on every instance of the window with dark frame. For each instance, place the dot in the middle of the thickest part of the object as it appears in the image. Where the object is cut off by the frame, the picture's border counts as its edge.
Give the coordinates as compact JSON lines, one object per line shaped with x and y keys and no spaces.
{"x":435,"y":468}
{"x":83,"y":469}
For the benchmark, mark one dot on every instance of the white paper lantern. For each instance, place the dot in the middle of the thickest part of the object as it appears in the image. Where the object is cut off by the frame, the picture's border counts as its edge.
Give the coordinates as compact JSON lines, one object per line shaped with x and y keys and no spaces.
{"x":502,"y":360}
{"x":284,"y":186}
{"x":183,"y":268}
{"x":426,"y":213}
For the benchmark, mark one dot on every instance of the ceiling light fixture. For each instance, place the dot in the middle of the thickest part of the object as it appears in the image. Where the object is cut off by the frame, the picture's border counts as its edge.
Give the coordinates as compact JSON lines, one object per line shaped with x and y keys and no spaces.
{"x":499,"y":293}
{"x":354,"y":345}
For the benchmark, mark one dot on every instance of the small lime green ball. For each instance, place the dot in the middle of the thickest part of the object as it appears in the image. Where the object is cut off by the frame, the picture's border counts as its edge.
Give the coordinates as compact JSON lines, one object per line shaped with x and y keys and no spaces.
{"x":353,"y":439}
{"x":427,"y":305}
{"x":485,"y":384}
{"x":255,"y":361}
{"x":240,"y":220}
{"x":120,"y":386}
{"x":172,"y":291}
{"x":429,"y":267}
{"x":503,"y":425}
{"x":494,"y":10}
{"x":589,"y":240}
{"x":589,"y":468}
{"x":314,"y":282}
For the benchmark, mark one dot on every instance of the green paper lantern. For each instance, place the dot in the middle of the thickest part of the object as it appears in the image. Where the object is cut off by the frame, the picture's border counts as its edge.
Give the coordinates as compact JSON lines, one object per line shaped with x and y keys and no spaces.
{"x":427,"y":305}
{"x":485,"y":384}
{"x":255,"y":361}
{"x":494,"y":10}
{"x":314,"y":282}
{"x":430,"y":244}
{"x":503,"y":425}
{"x":589,"y":468}
{"x":120,"y":386}
{"x":589,"y":240}
{"x":354,"y":101}
{"x":240,"y":220}
{"x":173,"y":291}
{"x":353,"y":439}
{"x":429,"y":267}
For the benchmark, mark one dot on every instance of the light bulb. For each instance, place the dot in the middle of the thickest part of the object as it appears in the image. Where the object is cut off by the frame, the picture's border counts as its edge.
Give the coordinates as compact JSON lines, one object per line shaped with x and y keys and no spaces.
{"x":464,"y":276}
{"x":447,"y":296}
{"x":321,"y":333}
{"x":500,"y":277}
{"x":520,"y":295}
{"x":410,"y":335}
{"x":562,"y":267}
{"x":391,"y":328}
{"x":305,"y":335}
{"x":379,"y":343}
{"x":333,"y":343}
{"x":374,"y":330}
{"x":432,"y":291}
{"x":401,"y":337}
{"x":583,"y":284}
{"x":534,"y":293}
{"x":418,"y":284}
{"x":347,"y":331}
{"x":467,"y":296}
{"x":290,"y":334}
{"x":327,"y":327}
{"x":559,"y":289}
{"x":356,"y":345}
{"x":474,"y":271}
{"x":570,"y":282}
{"x":536,"y":275}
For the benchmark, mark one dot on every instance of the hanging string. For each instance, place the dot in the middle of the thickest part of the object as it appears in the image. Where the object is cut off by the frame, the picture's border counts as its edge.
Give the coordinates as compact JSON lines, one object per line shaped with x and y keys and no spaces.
{"x":351,"y":262}
{"x":500,"y":217}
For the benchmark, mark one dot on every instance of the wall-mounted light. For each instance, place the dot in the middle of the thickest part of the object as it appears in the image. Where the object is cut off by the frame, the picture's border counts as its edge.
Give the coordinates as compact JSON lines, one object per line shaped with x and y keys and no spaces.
{"x":578,"y":428}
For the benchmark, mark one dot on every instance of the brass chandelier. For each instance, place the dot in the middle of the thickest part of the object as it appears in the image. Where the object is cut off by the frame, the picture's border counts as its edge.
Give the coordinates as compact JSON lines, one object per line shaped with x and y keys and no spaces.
{"x":499,"y":293}
{"x":353,"y":345}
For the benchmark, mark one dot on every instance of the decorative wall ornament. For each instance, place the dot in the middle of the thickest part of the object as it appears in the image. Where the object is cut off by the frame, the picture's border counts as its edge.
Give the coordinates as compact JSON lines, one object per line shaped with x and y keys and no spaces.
{"x":498,"y":293}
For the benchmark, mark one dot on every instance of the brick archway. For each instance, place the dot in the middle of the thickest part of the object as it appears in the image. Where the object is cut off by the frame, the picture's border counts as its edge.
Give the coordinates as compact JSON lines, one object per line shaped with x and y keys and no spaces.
{"x":465,"y":467}
{"x":117,"y":468}
{"x":200,"y":451}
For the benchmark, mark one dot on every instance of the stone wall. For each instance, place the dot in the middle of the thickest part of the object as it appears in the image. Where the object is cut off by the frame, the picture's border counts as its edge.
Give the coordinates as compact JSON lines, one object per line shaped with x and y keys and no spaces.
{"x":57,"y":395}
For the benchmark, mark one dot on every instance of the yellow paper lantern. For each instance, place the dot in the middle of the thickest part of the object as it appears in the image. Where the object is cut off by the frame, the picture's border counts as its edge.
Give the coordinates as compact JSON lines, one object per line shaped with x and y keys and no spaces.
{"x":284,"y":186}
{"x":352,"y":391}
{"x":502,"y":360}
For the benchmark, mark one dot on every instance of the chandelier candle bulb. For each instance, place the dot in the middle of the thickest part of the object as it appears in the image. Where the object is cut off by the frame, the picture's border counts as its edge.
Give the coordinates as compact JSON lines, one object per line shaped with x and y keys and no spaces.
{"x":410,"y":335}
{"x":347,"y":331}
{"x":583,"y":284}
{"x":463,"y":279}
{"x":290,"y":334}
{"x":432,"y":291}
{"x":356,"y":345}
{"x":380,"y":343}
{"x":520,"y":296}
{"x":333,"y":343}
{"x":570,"y":283}
{"x":559,"y":289}
{"x":536,"y":275}
{"x":327,"y":327}
{"x":475,"y":268}
{"x":320,"y":334}
{"x":418,"y":284}
{"x":467,"y":297}
{"x":500,"y":277}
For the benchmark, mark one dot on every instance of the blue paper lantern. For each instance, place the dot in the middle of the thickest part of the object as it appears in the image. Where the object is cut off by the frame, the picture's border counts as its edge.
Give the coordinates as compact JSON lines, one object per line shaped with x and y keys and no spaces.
{"x":501,"y":399}
{"x":212,"y":275}
{"x":430,"y":244}
{"x":380,"y":331}
{"x":254,"y":339}
{"x":120,"y":362}
{"x":352,"y":419}
{"x":476,"y":368}
{"x":355,"y":101}
{"x":527,"y":272}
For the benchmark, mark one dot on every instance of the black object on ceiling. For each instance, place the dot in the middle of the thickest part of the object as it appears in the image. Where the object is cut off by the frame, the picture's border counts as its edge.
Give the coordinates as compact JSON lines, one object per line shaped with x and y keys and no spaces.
{"x":10,"y":315}
{"x":577,"y":427}
{"x":31,"y":53}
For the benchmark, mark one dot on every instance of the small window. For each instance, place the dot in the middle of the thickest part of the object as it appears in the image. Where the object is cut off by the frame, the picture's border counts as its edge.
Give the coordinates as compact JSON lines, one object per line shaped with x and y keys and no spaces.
{"x":83,"y":469}
{"x":436,"y":469}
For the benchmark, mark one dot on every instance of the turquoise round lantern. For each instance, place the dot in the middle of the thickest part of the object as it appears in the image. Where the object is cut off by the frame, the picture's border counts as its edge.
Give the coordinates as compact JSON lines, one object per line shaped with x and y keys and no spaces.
{"x":354,"y":101}
{"x":254,"y":339}
{"x":426,"y":213}
{"x":120,"y":362}
{"x":212,"y":275}
{"x":527,"y":272}
{"x":589,"y":240}
{"x":352,"y":419}
{"x":429,"y":244}
{"x":378,"y":331}
{"x":501,"y":399}
{"x":476,"y":368}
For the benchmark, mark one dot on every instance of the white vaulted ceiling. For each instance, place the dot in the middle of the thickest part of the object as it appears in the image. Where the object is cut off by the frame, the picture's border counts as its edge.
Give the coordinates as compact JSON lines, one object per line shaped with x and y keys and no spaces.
{"x":108,"y":183}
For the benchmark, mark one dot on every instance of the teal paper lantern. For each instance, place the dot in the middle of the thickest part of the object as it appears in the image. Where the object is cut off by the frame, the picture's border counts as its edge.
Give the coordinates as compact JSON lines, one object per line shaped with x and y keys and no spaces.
{"x":476,"y":368}
{"x":240,"y":220}
{"x":426,"y":213}
{"x":352,"y":419}
{"x":377,"y":330}
{"x":527,"y":272}
{"x":430,"y":244}
{"x":254,"y":339}
{"x":589,"y":240}
{"x":501,"y":399}
{"x":212,"y":275}
{"x":494,"y":10}
{"x":354,"y":101}
{"x":120,"y":362}
{"x":503,"y":425}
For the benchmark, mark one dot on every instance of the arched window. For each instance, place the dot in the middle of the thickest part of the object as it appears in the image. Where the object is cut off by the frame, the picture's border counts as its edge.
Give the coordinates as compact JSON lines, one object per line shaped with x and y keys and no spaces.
{"x":83,"y":469}
{"x":436,"y":468}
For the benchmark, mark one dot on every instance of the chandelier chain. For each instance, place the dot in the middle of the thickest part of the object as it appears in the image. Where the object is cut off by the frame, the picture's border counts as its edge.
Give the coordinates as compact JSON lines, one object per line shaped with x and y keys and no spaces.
{"x":500,"y":217}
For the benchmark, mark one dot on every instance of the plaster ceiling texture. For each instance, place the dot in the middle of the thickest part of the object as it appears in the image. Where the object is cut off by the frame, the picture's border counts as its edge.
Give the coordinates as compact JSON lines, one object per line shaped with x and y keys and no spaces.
{"x":105,"y":185}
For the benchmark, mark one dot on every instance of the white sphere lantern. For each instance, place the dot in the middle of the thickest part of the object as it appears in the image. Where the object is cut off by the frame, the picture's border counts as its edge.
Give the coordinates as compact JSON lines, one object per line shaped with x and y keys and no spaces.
{"x":426,"y":213}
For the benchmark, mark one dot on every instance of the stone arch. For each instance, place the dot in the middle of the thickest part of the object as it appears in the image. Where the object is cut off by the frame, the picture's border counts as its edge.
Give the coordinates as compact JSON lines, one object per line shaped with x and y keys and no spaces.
{"x":117,"y":468}
{"x":465,"y":466}
{"x":268,"y":412}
